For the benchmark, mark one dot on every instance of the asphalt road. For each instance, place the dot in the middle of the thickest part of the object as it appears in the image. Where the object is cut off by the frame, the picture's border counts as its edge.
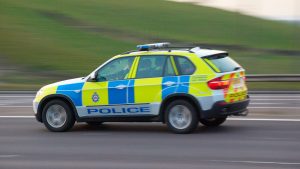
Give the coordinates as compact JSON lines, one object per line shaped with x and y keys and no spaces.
{"x":268,"y":138}
{"x":261,"y":105}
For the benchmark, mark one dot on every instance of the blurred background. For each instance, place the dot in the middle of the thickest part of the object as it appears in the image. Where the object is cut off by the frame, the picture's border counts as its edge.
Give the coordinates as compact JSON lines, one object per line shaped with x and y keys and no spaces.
{"x":45,"y":41}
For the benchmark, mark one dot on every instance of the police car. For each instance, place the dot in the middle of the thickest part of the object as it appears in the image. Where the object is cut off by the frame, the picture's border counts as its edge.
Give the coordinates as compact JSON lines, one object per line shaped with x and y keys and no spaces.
{"x":179,"y":86}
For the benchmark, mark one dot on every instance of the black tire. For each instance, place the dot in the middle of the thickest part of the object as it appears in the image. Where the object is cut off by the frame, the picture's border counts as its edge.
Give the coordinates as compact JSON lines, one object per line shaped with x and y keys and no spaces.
{"x":94,"y":123}
{"x":69,"y":120}
{"x":193,"y":122}
{"x":213,"y":122}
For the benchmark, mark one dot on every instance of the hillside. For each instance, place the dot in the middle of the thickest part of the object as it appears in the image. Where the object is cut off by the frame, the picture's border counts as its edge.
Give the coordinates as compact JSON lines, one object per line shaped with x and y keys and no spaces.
{"x":72,"y":37}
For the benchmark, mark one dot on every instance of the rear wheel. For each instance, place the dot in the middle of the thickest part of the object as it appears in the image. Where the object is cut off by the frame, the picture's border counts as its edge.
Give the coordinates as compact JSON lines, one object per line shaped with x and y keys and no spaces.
{"x":181,"y":117}
{"x":213,"y":122}
{"x":58,"y":116}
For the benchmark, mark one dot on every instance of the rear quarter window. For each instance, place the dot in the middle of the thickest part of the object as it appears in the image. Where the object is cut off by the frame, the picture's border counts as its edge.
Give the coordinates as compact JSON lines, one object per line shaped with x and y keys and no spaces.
{"x":222,"y":63}
{"x":184,"y":65}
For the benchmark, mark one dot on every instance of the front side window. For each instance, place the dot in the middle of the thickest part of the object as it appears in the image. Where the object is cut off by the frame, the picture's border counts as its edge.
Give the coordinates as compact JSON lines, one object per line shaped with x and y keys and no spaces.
{"x":184,"y":65}
{"x":117,"y":69}
{"x":151,"y":66}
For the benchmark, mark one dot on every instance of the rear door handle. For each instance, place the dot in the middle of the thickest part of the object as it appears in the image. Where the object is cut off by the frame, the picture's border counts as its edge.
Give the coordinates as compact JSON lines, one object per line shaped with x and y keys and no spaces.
{"x":169,"y":83}
{"x":120,"y":87}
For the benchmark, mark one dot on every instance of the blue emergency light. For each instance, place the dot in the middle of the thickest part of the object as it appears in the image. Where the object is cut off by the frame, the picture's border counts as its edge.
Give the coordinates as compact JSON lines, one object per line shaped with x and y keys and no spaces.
{"x":147,"y":47}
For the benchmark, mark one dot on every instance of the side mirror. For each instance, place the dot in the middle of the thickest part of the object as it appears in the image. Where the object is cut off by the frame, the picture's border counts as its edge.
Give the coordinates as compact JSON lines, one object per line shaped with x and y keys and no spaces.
{"x":93,"y":76}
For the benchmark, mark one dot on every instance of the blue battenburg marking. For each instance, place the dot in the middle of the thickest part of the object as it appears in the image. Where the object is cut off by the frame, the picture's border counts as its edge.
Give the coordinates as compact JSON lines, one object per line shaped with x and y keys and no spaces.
{"x":115,"y":95}
{"x":73,"y":91}
{"x":183,"y":86}
{"x":131,"y":91}
{"x":167,"y":90}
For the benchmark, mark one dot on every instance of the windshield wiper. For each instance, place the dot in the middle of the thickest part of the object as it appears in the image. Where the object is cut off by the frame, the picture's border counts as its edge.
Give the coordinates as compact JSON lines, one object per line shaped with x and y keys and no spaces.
{"x":237,"y":68}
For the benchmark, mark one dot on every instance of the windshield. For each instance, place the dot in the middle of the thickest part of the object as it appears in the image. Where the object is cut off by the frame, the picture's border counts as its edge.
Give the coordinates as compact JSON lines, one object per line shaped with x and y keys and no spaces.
{"x":222,"y":63}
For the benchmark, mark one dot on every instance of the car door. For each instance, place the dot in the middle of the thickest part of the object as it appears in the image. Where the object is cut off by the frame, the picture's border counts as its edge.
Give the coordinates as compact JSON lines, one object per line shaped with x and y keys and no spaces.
{"x":148,"y":79}
{"x":110,"y":88}
{"x":150,"y":85}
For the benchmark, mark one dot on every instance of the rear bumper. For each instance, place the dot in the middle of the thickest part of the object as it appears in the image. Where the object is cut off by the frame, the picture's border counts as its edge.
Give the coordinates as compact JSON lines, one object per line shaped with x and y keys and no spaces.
{"x":223,"y":109}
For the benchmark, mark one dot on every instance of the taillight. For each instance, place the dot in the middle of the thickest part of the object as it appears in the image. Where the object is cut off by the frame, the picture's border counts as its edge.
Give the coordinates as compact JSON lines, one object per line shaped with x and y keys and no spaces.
{"x":218,"y":83}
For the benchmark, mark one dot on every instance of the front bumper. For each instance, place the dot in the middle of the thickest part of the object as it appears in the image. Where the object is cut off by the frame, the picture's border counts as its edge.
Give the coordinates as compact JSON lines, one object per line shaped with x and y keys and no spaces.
{"x":35,"y":109}
{"x":223,"y":109}
{"x":35,"y":106}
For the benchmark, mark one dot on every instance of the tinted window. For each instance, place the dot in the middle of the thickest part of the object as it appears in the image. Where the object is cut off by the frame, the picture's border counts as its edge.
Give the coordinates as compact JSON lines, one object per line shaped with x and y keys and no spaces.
{"x":150,"y":66}
{"x":222,"y":63}
{"x":184,"y":65}
{"x":169,"y":70}
{"x":117,"y":69}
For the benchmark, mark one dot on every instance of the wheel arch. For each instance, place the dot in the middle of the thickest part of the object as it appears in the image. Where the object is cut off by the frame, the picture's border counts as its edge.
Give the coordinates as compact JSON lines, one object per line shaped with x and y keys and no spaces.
{"x":177,"y":96}
{"x":48,"y":98}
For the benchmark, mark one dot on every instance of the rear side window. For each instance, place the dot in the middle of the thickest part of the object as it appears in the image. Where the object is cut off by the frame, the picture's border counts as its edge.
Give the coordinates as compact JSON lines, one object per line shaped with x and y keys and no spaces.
{"x":184,"y":65}
{"x":221,"y":63}
{"x":151,"y":66}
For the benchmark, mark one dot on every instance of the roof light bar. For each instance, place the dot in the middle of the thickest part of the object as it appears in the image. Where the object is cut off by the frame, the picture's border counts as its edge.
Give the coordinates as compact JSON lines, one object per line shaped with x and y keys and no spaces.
{"x":147,"y":47}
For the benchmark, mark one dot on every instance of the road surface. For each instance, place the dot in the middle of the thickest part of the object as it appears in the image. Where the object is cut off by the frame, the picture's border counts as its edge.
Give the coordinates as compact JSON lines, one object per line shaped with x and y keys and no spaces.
{"x":268,"y":138}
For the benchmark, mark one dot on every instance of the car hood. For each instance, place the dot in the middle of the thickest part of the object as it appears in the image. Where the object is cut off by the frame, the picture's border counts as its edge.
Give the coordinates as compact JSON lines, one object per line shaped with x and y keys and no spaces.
{"x":66,"y":82}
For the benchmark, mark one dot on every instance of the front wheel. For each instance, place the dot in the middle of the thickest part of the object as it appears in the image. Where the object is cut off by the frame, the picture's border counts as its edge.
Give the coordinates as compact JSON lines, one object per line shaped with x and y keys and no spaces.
{"x":181,"y":117}
{"x":58,"y":116}
{"x":213,"y":122}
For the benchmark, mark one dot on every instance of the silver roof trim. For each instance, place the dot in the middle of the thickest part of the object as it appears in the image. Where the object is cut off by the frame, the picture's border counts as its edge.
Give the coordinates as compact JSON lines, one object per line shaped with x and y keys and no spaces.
{"x":206,"y":52}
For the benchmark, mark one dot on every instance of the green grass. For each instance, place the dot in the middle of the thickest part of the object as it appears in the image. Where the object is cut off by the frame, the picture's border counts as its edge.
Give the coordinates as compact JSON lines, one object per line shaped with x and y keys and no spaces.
{"x":35,"y":42}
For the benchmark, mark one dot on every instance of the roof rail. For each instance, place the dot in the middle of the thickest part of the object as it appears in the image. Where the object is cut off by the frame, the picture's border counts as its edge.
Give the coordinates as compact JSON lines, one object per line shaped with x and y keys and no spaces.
{"x":163,"y":45}
{"x":160,"y":46}
{"x":128,"y":52}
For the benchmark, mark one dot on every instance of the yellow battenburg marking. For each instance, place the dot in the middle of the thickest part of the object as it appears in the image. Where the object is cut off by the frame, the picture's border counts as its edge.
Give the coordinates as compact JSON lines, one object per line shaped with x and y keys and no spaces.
{"x":199,"y":89}
{"x":148,"y":90}
{"x":238,"y":92}
{"x":226,"y":77}
{"x":134,"y":68}
{"x":198,"y":86}
{"x":47,"y":90}
{"x":174,"y":65}
{"x":98,"y":88}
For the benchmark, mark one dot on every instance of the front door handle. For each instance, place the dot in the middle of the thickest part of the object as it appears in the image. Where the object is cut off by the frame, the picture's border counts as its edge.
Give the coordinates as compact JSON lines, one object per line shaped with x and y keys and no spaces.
{"x":121,"y":87}
{"x":169,"y":83}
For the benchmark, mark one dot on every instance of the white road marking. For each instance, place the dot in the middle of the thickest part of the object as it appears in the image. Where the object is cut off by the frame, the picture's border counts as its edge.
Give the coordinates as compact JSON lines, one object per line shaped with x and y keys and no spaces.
{"x":251,"y":96}
{"x":16,"y":96}
{"x":273,"y":115}
{"x":15,"y":106}
{"x":263,"y":119}
{"x":9,"y":156}
{"x":278,"y":92}
{"x":275,"y":99}
{"x":257,"y":162}
{"x":267,"y":103}
{"x":17,"y":117}
{"x":274,"y":107}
